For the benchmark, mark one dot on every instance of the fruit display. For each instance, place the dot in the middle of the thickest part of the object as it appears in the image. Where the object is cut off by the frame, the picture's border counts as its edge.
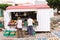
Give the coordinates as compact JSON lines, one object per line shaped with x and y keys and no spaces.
{"x":12,"y":23}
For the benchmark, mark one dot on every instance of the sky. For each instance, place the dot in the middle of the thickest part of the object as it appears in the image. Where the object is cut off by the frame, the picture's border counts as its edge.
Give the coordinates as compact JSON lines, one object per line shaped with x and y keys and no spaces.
{"x":22,"y":1}
{"x":26,"y":1}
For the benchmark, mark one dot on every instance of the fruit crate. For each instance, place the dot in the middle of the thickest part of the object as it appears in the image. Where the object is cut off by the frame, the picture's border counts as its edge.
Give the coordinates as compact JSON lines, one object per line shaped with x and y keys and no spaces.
{"x":6,"y":34}
{"x":12,"y":33}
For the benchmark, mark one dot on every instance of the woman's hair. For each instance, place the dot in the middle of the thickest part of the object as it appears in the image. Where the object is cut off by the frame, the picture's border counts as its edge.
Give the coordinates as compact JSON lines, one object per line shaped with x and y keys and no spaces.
{"x":19,"y":18}
{"x":25,"y":19}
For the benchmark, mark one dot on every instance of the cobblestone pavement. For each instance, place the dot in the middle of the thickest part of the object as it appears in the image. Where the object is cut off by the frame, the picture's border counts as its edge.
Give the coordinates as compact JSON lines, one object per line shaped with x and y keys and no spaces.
{"x":38,"y":36}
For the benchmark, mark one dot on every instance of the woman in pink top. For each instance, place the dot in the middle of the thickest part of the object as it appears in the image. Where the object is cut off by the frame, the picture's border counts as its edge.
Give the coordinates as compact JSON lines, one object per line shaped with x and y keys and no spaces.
{"x":19,"y":28}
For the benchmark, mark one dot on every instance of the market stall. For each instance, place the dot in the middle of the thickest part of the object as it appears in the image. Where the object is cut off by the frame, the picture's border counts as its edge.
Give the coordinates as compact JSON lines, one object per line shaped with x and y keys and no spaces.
{"x":40,"y":13}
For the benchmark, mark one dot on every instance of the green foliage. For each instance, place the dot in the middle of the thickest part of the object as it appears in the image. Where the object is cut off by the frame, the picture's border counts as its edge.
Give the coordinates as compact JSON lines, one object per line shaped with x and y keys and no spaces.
{"x":54,"y":3}
{"x":3,"y":6}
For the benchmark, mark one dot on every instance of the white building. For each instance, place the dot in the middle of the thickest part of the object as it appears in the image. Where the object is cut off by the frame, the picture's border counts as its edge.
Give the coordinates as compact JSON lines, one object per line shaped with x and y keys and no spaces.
{"x":43,"y":12}
{"x":43,"y":15}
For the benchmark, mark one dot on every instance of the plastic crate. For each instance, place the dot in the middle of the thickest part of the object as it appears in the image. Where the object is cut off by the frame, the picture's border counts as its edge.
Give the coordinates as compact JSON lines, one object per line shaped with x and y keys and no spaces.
{"x":6,"y":34}
{"x":12,"y":33}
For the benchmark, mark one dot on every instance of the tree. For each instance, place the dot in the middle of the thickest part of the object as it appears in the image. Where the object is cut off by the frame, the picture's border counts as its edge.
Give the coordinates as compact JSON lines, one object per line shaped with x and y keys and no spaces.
{"x":3,"y":6}
{"x":54,"y":4}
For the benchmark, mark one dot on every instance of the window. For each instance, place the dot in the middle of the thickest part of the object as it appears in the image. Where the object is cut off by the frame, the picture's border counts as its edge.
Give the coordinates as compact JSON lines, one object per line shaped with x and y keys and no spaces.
{"x":23,"y":15}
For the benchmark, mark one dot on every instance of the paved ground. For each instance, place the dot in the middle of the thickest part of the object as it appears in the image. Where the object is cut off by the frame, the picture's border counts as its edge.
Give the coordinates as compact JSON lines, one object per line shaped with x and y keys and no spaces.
{"x":38,"y":36}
